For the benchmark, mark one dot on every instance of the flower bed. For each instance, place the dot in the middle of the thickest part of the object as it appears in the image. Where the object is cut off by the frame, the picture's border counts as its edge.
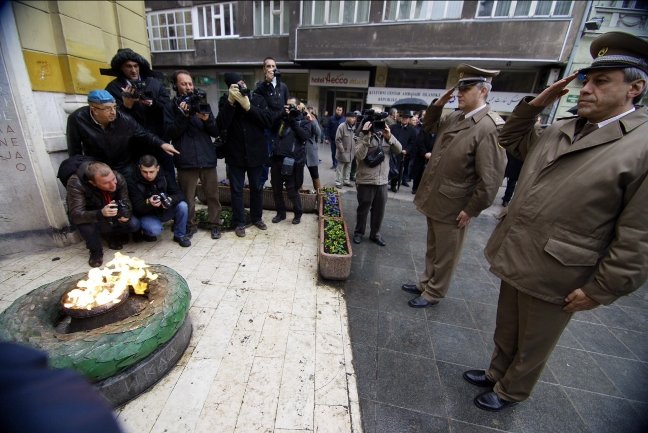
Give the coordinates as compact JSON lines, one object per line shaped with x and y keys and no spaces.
{"x":335,"y":254}
{"x":330,"y":205}
{"x":308,"y":199}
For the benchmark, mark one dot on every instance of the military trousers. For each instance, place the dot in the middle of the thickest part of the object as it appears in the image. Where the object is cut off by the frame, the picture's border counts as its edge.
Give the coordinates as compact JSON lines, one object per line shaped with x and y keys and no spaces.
{"x":444,"y":245}
{"x":527,"y":330}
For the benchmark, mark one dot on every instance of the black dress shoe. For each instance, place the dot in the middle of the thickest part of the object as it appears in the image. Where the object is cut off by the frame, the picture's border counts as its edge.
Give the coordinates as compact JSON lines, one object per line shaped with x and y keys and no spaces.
{"x":492,"y":402}
{"x":378,"y":239}
{"x":296,"y":219}
{"x":421,"y":302}
{"x":478,"y":378}
{"x":357,"y":238}
{"x":278,"y":218}
{"x":411,"y":288}
{"x":115,"y":244}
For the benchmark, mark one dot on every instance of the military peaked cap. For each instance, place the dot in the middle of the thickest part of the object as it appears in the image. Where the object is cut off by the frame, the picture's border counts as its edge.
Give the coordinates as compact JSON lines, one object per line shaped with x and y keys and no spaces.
{"x":618,"y":50}
{"x":469,"y":75}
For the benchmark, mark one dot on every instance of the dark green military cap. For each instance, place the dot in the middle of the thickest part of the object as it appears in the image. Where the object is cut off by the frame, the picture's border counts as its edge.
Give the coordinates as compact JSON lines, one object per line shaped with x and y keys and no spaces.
{"x":618,"y":50}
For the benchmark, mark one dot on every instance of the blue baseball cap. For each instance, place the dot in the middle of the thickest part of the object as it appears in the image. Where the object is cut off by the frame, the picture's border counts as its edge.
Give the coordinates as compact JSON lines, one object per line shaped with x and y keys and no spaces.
{"x":100,"y":97}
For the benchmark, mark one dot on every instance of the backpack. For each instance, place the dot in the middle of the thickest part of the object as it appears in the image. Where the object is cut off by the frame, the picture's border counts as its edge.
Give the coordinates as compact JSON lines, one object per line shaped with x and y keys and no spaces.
{"x":70,"y":166}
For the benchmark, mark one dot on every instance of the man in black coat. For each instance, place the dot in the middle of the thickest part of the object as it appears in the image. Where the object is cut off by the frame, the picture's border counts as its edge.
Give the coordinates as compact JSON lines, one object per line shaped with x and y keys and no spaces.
{"x":192,"y":129}
{"x":156,"y":200}
{"x":244,"y":115}
{"x":104,"y":133}
{"x":139,"y":93}
{"x":406,"y":135}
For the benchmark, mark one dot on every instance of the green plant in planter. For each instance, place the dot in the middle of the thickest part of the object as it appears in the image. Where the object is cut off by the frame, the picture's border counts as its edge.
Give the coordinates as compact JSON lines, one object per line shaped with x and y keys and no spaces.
{"x":326,"y":189}
{"x":226,"y":216}
{"x":335,"y":237}
{"x":331,"y":206}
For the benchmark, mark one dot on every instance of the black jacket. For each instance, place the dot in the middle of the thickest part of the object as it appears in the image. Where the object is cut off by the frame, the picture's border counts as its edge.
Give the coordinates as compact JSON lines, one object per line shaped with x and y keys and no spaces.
{"x":292,"y":134}
{"x":406,"y":135}
{"x":276,"y":98}
{"x":191,"y":137}
{"x":113,"y":145}
{"x":139,"y":190}
{"x":150,"y":117}
{"x":85,"y":201}
{"x":243,"y":130}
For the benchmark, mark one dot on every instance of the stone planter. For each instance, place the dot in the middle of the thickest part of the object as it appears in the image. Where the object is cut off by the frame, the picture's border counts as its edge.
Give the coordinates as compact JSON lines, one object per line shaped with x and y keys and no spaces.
{"x":309,"y":200}
{"x":334,"y":266}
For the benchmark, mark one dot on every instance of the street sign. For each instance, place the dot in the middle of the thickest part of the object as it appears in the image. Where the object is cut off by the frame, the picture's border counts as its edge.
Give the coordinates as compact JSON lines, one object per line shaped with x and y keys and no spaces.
{"x":572,"y":99}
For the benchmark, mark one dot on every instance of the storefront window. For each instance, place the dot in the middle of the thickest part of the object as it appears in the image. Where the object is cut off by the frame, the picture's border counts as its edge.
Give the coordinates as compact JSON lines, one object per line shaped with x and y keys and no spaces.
{"x":417,"y":78}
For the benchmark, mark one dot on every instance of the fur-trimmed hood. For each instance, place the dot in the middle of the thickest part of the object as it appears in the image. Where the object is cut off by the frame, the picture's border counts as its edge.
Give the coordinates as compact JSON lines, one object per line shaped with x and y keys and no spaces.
{"x":123,"y":55}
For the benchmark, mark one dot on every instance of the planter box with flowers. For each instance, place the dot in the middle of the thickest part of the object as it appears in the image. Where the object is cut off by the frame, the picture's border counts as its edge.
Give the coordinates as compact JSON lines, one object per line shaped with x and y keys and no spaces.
{"x":335,"y":254}
{"x":330,"y":205}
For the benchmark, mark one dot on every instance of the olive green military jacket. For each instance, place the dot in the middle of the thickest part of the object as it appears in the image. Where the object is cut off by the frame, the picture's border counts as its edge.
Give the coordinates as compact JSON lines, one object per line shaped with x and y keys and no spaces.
{"x":466,"y":167}
{"x":579,"y":218}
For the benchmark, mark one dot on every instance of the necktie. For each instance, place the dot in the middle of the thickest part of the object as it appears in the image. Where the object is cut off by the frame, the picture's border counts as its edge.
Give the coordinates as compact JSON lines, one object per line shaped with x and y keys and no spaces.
{"x":589,"y":127}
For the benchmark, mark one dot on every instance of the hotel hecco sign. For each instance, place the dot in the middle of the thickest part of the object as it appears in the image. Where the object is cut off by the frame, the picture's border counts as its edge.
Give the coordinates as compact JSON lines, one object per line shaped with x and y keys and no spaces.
{"x":324,"y":78}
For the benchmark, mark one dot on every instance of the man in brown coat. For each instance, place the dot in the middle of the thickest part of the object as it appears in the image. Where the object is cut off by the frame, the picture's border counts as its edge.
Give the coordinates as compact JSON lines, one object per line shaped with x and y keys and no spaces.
{"x":576,"y":233}
{"x":460,"y":180}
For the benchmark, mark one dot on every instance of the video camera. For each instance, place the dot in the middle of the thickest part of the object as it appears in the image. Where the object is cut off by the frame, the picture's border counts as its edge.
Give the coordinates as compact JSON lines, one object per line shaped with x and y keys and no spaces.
{"x":377,"y":119}
{"x":139,"y":91}
{"x":293,"y":110}
{"x":196,"y":101}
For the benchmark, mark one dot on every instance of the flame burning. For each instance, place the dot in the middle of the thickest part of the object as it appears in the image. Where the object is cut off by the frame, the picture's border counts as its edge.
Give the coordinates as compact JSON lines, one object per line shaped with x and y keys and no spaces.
{"x":106,"y":286}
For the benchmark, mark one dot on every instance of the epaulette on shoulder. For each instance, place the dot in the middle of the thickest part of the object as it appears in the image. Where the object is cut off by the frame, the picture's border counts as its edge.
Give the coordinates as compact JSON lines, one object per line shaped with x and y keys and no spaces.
{"x":496,"y":118}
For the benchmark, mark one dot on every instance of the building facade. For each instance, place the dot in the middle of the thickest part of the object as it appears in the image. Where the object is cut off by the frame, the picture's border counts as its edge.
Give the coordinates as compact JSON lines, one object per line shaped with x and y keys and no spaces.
{"x":368,"y":53}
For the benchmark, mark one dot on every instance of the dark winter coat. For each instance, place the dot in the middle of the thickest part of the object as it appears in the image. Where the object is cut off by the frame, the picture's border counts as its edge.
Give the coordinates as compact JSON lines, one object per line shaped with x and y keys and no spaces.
{"x":139,"y":190}
{"x":292,"y":135}
{"x":191,"y":137}
{"x":86,"y":201}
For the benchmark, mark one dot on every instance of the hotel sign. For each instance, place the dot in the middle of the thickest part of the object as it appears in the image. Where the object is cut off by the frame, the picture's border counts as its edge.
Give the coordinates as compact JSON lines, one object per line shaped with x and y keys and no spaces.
{"x":324,"y":78}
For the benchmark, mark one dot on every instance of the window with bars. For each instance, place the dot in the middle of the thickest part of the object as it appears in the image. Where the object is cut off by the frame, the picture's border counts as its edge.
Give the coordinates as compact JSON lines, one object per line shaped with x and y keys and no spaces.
{"x":318,"y":13}
{"x":421,"y":10}
{"x":215,"y":21}
{"x":270,"y":18}
{"x":524,"y":8}
{"x":170,"y":30}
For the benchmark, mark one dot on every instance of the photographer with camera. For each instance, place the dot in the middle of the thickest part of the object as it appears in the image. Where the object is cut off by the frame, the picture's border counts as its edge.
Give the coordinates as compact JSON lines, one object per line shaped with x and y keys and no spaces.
{"x":288,"y":159}
{"x":191,"y":126}
{"x":242,"y":118}
{"x":373,"y":148}
{"x":98,"y":203}
{"x":139,"y":93}
{"x":156,"y":200}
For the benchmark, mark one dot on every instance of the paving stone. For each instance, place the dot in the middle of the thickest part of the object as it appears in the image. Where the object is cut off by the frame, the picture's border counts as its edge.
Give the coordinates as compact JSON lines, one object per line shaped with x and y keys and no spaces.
{"x":597,"y":338}
{"x":605,"y":414}
{"x":391,"y":419}
{"x":629,"y":376}
{"x":402,"y":334}
{"x":577,"y":369}
{"x":458,"y":345}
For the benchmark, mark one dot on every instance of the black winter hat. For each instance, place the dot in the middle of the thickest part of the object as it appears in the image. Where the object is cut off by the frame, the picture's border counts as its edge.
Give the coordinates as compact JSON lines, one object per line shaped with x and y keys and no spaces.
{"x":232,"y":78}
{"x":126,"y":54}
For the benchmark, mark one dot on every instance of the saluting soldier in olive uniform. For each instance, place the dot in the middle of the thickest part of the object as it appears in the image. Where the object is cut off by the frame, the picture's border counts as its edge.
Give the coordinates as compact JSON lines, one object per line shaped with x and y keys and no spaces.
{"x":576,"y":232}
{"x":460,"y":180}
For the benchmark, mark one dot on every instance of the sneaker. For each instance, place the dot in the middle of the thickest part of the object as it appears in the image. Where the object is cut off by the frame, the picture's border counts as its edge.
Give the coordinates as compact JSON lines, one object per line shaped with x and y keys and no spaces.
{"x":240,"y":231}
{"x":215,"y":232}
{"x":183,"y":241}
{"x":261,"y":225}
{"x":96,"y":258}
{"x":279,"y":217}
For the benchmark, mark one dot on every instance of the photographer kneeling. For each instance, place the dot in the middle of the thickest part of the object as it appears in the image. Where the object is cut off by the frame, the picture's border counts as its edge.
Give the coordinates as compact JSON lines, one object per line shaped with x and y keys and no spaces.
{"x":372,"y":150}
{"x":156,"y":200}
{"x":98,"y":204}
{"x":288,"y":159}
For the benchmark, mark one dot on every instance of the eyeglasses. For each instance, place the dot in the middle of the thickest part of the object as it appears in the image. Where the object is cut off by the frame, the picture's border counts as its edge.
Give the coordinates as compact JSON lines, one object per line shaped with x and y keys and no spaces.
{"x":107,"y":108}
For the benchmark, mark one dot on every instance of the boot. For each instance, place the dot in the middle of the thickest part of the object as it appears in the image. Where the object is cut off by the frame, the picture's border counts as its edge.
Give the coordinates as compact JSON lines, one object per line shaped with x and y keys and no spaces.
{"x":317,"y":184}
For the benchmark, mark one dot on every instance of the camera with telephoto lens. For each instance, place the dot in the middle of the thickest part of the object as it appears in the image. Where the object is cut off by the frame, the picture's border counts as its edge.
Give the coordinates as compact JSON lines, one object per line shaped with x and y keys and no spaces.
{"x":293,"y":110}
{"x":196,"y":101}
{"x":377,"y":119}
{"x":243,"y":89}
{"x":139,"y":91}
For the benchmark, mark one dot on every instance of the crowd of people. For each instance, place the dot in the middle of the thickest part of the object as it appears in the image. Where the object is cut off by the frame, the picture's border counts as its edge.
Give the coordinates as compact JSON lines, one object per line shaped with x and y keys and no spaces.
{"x":136,"y":157}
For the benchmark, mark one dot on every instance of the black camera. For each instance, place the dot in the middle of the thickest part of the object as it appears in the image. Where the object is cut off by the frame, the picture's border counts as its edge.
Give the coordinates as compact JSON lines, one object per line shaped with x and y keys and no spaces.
{"x":196,"y":101}
{"x":293,"y":110}
{"x":243,"y":89}
{"x":139,"y":91}
{"x":377,"y":119}
{"x":122,"y":208}
{"x":165,"y":200}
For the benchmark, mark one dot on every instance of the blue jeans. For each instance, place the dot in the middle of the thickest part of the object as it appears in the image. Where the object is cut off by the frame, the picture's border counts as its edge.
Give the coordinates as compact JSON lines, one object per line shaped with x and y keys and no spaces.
{"x":237,"y":179}
{"x":152,"y":225}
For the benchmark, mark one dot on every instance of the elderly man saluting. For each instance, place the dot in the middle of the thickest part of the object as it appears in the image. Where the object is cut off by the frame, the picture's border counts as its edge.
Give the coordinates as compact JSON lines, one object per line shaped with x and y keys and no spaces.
{"x":576,"y":233}
{"x":461,"y":179}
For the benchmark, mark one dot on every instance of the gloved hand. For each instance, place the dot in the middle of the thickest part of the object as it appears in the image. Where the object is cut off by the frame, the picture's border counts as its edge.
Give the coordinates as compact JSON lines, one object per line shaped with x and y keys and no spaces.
{"x":244,"y":101}
{"x":234,"y":93}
